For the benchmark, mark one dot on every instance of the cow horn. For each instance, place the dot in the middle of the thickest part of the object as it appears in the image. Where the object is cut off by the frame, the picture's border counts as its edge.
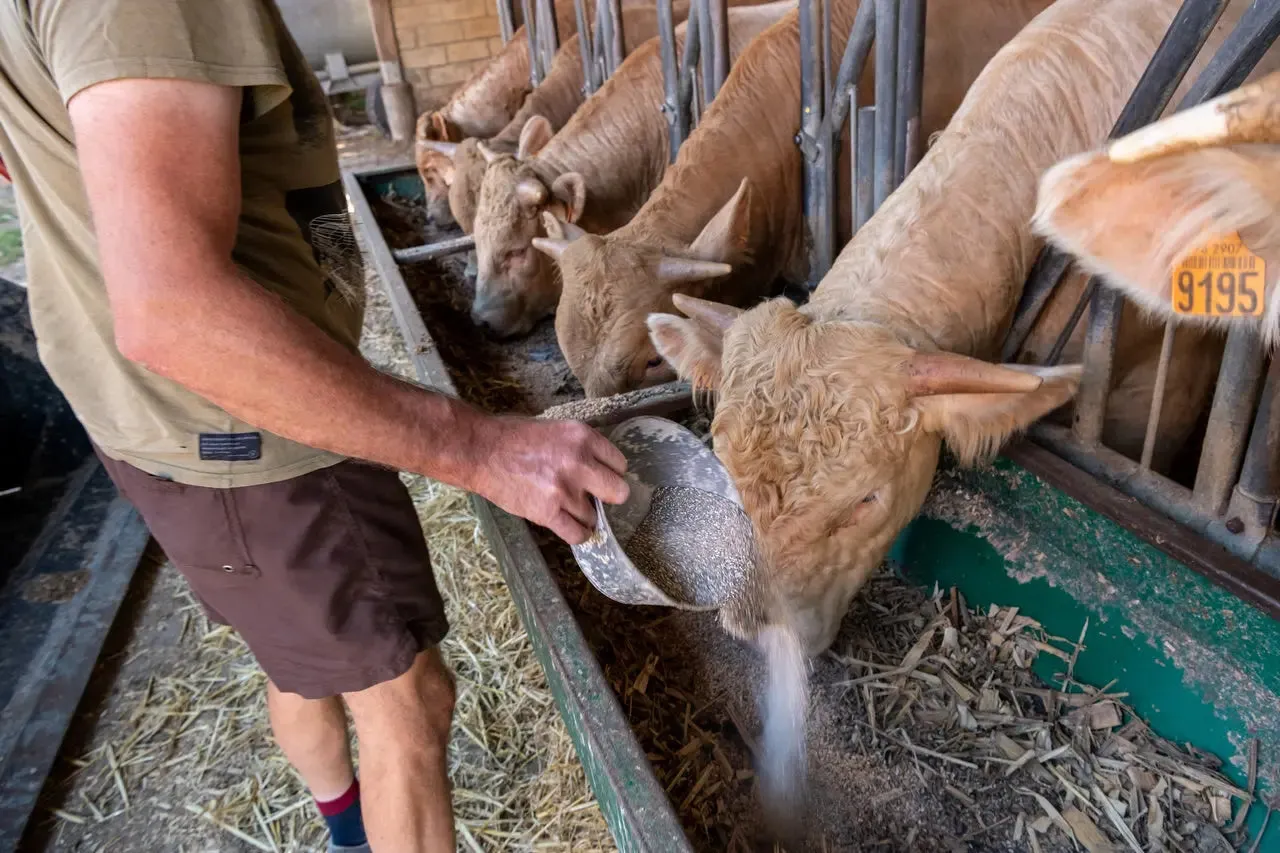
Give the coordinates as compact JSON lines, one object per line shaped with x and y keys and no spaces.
{"x":1248,"y":114}
{"x":486,"y":152}
{"x":531,"y":191}
{"x":550,"y":246}
{"x":948,"y":373}
{"x":679,"y":270}
{"x":558,"y":228}
{"x":448,"y":149}
{"x":716,"y":315}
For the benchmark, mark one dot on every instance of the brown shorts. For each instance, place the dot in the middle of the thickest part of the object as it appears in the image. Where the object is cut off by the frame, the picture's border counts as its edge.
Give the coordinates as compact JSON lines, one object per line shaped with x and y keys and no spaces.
{"x":326,"y":576}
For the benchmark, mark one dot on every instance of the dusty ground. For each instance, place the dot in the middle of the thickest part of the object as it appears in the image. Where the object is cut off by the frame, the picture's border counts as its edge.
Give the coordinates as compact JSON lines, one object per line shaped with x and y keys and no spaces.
{"x":171,"y":750}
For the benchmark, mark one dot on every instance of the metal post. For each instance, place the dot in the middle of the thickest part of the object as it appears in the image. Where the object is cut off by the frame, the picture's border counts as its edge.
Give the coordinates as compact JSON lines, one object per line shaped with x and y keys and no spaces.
{"x":1157,"y":394}
{"x":1099,"y":354}
{"x":1254,"y":499}
{"x":814,"y":144}
{"x":676,"y":132}
{"x":584,"y":46}
{"x":530,"y":30}
{"x":506,"y":20}
{"x":718,"y":19}
{"x":906,"y":150}
{"x":886,"y":96}
{"x":548,"y":34}
{"x":1049,"y":268}
{"x":864,"y":141}
{"x":707,"y":52}
{"x":856,"y":50}
{"x":1229,"y":418}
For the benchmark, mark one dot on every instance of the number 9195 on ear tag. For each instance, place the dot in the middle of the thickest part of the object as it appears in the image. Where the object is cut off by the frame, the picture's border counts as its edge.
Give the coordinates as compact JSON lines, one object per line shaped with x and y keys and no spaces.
{"x":1222,"y":278}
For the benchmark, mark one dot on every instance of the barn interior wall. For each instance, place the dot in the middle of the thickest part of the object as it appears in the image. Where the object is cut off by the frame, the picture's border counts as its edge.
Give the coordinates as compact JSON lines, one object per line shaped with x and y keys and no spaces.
{"x":442,"y":42}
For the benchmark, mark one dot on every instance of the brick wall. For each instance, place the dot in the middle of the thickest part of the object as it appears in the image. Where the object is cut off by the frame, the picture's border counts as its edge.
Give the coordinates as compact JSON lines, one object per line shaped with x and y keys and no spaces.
{"x":442,"y":42}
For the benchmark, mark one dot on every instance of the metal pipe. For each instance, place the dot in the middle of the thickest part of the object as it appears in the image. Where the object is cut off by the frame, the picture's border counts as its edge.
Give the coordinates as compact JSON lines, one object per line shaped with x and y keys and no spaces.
{"x":1254,"y":34}
{"x":911,"y":19}
{"x":584,"y":46}
{"x":548,"y":34}
{"x":530,"y":30}
{"x":1229,"y":418}
{"x":827,"y":79}
{"x":719,"y":33}
{"x":1049,"y":268}
{"x":1254,"y":499}
{"x":430,"y":251}
{"x":864,"y":141}
{"x":856,"y":51}
{"x":604,"y":45}
{"x":1157,"y":394}
{"x":506,"y":20}
{"x":814,"y":145}
{"x":1099,"y":356}
{"x":886,"y":96}
{"x":676,"y":130}
{"x":707,"y":53}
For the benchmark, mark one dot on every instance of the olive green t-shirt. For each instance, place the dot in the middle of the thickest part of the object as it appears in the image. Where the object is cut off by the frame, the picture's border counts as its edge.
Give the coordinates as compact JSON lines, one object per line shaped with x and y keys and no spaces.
{"x":291,"y":189}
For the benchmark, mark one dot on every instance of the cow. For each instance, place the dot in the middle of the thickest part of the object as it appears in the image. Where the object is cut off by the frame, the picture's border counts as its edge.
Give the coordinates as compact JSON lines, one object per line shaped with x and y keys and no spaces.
{"x":1131,"y":212}
{"x":481,"y":106}
{"x":556,"y":99}
{"x":595,"y":173}
{"x":734,"y":198}
{"x":830,"y":417}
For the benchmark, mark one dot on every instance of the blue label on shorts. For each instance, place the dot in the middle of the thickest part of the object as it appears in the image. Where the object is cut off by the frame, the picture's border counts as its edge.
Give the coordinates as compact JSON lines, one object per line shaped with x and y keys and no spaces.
{"x":230,"y":446}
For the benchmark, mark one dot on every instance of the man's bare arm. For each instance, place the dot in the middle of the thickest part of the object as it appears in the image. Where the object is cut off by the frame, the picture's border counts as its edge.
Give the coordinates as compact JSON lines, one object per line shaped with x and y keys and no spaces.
{"x":160,"y":160}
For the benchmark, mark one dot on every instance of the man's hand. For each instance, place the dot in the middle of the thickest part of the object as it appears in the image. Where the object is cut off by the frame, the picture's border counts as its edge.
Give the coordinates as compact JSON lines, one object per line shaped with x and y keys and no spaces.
{"x":547,"y":472}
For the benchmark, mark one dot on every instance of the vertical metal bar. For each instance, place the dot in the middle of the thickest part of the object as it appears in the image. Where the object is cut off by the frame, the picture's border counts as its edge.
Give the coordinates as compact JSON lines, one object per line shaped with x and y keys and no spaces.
{"x":1229,"y":418}
{"x":584,"y":46}
{"x":814,"y":144}
{"x":839,"y":104}
{"x":1099,"y":355}
{"x":707,"y":53}
{"x":604,"y":47}
{"x":676,"y":130}
{"x":1157,"y":394}
{"x":548,"y":34}
{"x":530,"y":30}
{"x":864,"y":140}
{"x":688,"y":70}
{"x":719,"y":30}
{"x":617,"y":41}
{"x":506,"y":20}
{"x":911,"y":19}
{"x":827,"y":79}
{"x":886,"y":95}
{"x":1258,"y":492}
{"x":1049,"y":268}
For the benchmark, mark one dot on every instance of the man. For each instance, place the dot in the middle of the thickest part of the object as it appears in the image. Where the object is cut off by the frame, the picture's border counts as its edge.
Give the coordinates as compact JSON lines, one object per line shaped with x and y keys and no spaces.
{"x":170,"y":157}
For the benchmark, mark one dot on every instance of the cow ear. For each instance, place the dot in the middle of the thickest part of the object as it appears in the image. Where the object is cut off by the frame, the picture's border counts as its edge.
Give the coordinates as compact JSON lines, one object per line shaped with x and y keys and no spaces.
{"x":534,"y":136}
{"x":724,"y":238}
{"x":441,"y":129}
{"x":974,"y":426}
{"x":692,"y":348}
{"x":1132,"y":222}
{"x":570,"y":189}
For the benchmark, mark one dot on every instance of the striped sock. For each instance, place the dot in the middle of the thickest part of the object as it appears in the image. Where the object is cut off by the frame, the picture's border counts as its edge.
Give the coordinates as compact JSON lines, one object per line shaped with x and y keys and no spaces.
{"x":342,"y":814}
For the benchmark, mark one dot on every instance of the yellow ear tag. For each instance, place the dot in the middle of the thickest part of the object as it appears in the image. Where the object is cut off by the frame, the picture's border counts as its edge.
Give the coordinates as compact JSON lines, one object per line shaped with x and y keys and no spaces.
{"x":1222,"y":278}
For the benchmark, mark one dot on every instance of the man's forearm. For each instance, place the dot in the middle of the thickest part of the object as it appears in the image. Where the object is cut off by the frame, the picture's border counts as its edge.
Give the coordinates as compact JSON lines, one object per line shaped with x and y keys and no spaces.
{"x":245,"y":350}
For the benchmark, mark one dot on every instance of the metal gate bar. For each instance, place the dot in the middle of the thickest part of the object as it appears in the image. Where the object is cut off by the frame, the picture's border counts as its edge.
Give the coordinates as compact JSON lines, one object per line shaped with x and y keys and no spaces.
{"x":911,"y":23}
{"x":506,"y":20}
{"x":886,"y":95}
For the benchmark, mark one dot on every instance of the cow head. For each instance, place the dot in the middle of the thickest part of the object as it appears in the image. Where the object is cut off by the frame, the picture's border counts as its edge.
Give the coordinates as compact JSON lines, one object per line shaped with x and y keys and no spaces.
{"x":517,"y":286}
{"x":612,"y":284}
{"x":1131,"y":212}
{"x":831,"y":432}
{"x":435,"y":139}
{"x":466,"y":174}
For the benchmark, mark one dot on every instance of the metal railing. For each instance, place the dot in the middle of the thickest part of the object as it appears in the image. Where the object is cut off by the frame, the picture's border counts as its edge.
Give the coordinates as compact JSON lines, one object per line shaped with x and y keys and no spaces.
{"x":1236,"y":489}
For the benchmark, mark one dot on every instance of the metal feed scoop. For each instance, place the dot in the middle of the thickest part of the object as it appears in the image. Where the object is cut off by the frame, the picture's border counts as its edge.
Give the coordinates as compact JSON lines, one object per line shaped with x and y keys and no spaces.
{"x":682,"y":538}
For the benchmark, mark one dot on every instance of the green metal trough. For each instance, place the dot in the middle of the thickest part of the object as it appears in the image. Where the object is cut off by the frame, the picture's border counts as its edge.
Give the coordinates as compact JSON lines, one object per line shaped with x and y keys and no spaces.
{"x":1189,"y":632}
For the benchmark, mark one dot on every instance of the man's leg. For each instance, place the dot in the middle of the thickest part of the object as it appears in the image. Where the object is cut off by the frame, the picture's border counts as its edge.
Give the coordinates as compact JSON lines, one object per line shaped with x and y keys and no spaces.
{"x":312,"y":734}
{"x":403,"y":729}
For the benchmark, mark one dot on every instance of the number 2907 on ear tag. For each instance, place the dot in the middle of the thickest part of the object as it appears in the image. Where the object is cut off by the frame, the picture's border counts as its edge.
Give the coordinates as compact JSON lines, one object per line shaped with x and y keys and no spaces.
{"x":1222,"y":278}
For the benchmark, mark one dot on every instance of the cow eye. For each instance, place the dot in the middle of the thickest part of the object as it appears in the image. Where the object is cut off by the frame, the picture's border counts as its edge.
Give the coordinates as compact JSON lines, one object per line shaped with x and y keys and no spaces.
{"x":653,"y":363}
{"x":871,"y":498}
